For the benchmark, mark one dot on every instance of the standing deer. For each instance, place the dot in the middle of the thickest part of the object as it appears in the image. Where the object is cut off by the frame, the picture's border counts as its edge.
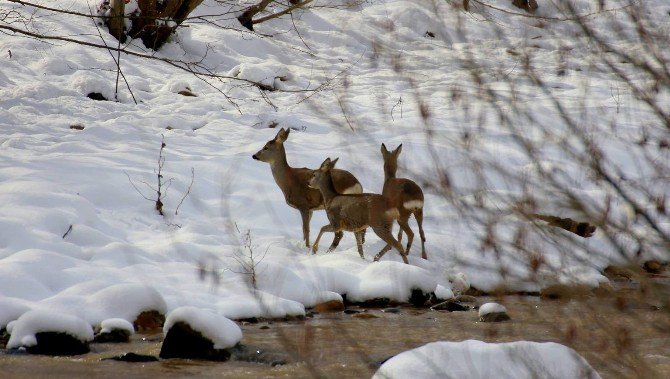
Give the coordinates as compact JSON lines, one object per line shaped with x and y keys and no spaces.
{"x":405,"y":195}
{"x":293,"y":183}
{"x":355,"y":212}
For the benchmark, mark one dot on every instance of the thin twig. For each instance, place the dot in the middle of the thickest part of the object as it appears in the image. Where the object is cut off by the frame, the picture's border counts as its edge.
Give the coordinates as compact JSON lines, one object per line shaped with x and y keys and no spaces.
{"x":188,"y":191}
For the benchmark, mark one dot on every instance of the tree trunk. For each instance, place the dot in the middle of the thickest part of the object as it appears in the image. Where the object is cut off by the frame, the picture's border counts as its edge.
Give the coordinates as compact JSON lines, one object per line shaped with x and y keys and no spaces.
{"x":246,"y":18}
{"x":156,"y":22}
{"x":116,"y":21}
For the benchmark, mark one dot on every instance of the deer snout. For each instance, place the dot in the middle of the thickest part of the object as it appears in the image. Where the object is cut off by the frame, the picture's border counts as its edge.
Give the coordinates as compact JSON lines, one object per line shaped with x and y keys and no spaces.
{"x":255,"y":157}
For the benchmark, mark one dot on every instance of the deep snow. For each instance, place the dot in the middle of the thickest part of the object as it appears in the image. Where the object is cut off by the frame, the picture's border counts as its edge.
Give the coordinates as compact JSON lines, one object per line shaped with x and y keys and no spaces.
{"x":78,"y":236}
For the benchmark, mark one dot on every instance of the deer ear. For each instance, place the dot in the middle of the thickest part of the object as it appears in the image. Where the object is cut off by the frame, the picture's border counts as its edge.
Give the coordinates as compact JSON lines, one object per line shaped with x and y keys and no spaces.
{"x":384,"y":149}
{"x":332,"y":163}
{"x":398,"y":150}
{"x":325,"y":164}
{"x":282,"y":135}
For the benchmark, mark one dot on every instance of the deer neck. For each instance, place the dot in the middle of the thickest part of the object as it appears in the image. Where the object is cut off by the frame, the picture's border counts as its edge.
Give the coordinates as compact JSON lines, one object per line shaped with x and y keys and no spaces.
{"x":327,"y":188}
{"x":281,"y":171}
{"x":389,"y":172}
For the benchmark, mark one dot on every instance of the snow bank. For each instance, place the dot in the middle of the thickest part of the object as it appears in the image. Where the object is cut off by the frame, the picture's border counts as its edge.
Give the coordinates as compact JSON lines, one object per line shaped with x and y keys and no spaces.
{"x":125,"y":301}
{"x":11,"y":309}
{"x":476,"y":359}
{"x":33,"y":322}
{"x":392,"y":280}
{"x":223,"y":332}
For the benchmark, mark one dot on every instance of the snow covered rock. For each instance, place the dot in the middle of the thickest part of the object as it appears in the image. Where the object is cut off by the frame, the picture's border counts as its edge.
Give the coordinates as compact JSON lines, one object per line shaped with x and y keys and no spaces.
{"x":196,"y":333}
{"x":493,"y":312}
{"x":114,"y":330}
{"x":51,"y":333}
{"x":476,"y":359}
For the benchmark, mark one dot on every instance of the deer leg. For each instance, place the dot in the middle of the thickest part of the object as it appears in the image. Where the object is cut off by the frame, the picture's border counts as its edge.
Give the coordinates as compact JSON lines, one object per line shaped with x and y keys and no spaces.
{"x":418,"y":214}
{"x":325,"y":228}
{"x":336,"y":241}
{"x":359,"y":242}
{"x":384,"y":232}
{"x":306,"y":217}
{"x":404,"y":225}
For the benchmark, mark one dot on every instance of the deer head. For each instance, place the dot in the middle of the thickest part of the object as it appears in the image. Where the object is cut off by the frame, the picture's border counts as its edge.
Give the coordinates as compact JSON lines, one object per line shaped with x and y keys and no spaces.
{"x":273,"y":148}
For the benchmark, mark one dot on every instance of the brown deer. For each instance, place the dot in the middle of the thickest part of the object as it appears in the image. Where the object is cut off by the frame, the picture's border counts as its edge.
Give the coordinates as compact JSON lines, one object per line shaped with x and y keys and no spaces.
{"x":406,"y":196}
{"x":293,"y":182}
{"x":355,"y":212}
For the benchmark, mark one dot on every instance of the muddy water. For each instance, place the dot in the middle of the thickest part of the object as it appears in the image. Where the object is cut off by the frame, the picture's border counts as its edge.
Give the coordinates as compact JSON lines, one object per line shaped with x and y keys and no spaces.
{"x":618,"y":338}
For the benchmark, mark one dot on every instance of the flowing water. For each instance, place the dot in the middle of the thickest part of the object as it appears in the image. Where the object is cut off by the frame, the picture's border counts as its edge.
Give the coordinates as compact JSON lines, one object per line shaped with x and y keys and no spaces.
{"x":618,"y":337}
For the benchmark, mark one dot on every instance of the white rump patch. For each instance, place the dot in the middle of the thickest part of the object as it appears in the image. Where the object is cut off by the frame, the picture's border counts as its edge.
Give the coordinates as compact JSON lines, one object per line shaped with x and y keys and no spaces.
{"x":413,"y":204}
{"x":356,"y":188}
{"x":393,"y":212}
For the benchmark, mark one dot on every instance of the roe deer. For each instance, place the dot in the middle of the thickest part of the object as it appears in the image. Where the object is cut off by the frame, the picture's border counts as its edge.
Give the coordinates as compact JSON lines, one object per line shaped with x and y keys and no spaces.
{"x":355,"y":212}
{"x":293,"y":182}
{"x":405,"y":195}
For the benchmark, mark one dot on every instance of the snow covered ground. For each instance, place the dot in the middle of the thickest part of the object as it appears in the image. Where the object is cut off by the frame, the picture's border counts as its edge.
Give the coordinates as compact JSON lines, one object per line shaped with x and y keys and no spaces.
{"x":78,"y":236}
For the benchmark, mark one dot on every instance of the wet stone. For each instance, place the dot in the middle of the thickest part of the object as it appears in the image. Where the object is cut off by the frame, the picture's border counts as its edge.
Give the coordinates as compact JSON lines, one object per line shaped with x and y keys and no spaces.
{"x":114,"y":336}
{"x":149,"y":321}
{"x":329,"y":306}
{"x":132,"y":357}
{"x":494,"y":317}
{"x":249,"y":354}
{"x":57,"y":343}
{"x":419,"y":298}
{"x":451,"y":306}
{"x":364,"y":316}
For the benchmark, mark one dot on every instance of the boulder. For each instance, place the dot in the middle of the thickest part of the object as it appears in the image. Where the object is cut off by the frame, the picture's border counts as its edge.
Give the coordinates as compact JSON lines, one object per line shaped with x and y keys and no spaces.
{"x":50,"y":333}
{"x":181,"y":341}
{"x":149,"y":321}
{"x":194,"y":333}
{"x":58,"y":343}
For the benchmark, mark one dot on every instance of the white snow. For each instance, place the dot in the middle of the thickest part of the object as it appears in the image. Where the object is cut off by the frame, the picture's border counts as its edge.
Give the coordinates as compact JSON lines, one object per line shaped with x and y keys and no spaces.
{"x":487,"y":308}
{"x":476,"y":359}
{"x":223,"y":332}
{"x":33,"y":322}
{"x":78,"y":236}
{"x":110,"y":324}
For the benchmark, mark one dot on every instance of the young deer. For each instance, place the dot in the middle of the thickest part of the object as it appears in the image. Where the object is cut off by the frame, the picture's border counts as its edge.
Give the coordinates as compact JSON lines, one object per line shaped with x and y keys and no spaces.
{"x":293,"y":182}
{"x":405,"y":195}
{"x":355,"y":212}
